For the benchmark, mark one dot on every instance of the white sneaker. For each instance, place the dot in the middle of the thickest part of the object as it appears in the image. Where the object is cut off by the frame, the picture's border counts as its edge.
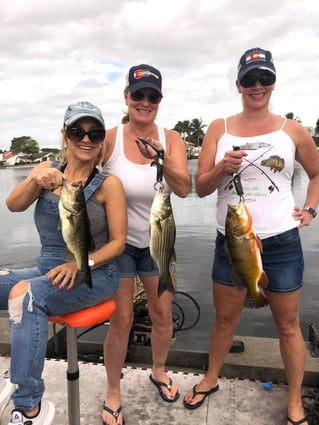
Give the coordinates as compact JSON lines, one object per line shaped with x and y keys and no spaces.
{"x":6,"y":389}
{"x":44,"y":417}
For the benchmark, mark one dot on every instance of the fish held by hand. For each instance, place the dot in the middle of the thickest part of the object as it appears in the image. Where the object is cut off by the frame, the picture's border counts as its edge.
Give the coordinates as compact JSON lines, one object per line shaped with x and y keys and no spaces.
{"x":244,"y":248}
{"x":162,"y":239}
{"x":75,"y":227}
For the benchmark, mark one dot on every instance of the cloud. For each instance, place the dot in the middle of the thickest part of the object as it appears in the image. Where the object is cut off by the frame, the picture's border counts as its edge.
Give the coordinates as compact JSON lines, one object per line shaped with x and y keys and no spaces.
{"x":56,"y":53}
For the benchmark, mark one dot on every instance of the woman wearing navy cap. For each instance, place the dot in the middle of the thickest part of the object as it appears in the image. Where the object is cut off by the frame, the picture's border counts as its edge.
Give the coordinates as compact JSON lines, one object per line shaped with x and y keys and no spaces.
{"x":267,"y":146}
{"x":131,"y":161}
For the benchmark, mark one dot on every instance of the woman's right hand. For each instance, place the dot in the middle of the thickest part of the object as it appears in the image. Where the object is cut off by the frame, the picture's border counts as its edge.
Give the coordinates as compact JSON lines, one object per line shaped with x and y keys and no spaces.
{"x":233,"y":160}
{"x":47,"y":178}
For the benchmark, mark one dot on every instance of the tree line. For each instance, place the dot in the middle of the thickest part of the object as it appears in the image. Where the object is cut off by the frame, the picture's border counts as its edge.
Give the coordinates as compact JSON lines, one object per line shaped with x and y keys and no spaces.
{"x":191,"y":131}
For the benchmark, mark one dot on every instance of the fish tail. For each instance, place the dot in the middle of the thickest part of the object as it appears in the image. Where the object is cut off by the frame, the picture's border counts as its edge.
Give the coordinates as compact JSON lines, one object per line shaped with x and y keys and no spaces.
{"x":165,"y":284}
{"x":83,"y":277}
{"x":256,"y":300}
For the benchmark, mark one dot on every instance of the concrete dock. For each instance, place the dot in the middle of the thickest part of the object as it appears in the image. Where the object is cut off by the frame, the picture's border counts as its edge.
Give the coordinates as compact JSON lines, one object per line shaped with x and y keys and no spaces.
{"x":241,"y":400}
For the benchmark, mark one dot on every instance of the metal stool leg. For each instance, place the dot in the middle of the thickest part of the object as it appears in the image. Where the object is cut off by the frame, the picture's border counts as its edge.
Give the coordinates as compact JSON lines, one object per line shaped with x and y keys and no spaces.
{"x":73,"y":377}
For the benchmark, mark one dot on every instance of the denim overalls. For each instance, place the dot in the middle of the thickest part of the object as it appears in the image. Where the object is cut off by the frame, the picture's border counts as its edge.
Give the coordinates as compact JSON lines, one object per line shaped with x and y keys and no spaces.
{"x":29,"y":328}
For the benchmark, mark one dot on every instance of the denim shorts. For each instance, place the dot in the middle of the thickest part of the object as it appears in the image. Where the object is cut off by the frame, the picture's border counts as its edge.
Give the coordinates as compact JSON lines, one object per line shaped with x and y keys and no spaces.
{"x":135,"y":261}
{"x":282,"y":260}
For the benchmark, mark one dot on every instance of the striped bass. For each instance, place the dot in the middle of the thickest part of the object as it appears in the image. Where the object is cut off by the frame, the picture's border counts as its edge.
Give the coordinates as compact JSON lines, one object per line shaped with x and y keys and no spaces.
{"x":162,"y":239}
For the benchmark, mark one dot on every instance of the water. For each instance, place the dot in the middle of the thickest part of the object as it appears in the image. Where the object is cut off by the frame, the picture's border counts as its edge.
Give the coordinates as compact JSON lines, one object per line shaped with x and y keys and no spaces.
{"x":195,"y":220}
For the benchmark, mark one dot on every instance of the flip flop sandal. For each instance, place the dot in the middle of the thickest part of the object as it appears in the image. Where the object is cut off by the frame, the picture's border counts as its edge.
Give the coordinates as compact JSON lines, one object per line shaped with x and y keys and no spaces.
{"x":159,"y":385}
{"x":114,"y":413}
{"x":302,"y":421}
{"x":200,"y":402}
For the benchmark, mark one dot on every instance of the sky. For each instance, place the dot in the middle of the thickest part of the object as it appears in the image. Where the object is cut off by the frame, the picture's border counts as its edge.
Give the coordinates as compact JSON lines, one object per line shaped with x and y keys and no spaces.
{"x":54,"y":53}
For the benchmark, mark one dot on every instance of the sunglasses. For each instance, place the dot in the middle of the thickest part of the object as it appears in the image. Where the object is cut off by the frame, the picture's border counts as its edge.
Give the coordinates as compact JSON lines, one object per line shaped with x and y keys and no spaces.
{"x":265,"y":79}
{"x":138,"y":96}
{"x":76,"y":134}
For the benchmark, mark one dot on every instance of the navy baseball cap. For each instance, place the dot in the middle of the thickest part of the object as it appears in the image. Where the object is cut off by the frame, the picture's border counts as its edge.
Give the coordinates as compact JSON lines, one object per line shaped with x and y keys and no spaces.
{"x":143,"y":76}
{"x":255,"y":58}
{"x":81,"y":110}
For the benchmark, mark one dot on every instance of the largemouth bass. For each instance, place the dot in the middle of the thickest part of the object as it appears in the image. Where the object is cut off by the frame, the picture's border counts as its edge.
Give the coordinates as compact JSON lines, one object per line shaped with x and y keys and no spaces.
{"x":162,"y":239}
{"x":75,"y":229}
{"x":244,"y":248}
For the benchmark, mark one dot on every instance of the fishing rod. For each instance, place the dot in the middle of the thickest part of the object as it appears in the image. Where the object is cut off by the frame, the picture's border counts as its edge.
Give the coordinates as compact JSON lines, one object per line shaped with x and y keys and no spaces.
{"x":236,"y":180}
{"x":159,"y":163}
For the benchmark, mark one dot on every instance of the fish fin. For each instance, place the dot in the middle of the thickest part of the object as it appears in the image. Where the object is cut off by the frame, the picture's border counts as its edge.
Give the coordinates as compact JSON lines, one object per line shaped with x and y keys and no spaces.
{"x":263,"y":280}
{"x":68,"y":255}
{"x":83,"y":277}
{"x":173,"y":257}
{"x":165,"y":283}
{"x":257,"y":300}
{"x":259,"y":243}
{"x":237,"y":280}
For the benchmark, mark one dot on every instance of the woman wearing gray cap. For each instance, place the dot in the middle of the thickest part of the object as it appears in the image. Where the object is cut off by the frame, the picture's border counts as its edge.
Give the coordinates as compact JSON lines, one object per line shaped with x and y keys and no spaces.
{"x":52,"y":287}
{"x":250,"y":156}
{"x":131,"y":161}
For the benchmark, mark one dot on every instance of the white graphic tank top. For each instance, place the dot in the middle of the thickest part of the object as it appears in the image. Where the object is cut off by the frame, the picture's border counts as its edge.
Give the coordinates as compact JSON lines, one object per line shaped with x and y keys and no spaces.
{"x":266,"y":177}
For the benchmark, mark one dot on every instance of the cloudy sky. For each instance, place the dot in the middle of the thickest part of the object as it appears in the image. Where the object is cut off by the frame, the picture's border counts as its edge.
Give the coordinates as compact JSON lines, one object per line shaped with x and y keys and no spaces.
{"x":54,"y":53}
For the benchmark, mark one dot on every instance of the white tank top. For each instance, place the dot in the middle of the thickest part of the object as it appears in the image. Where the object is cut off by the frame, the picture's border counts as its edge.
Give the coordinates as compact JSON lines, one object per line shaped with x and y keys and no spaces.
{"x":138,"y":181}
{"x":266,"y":176}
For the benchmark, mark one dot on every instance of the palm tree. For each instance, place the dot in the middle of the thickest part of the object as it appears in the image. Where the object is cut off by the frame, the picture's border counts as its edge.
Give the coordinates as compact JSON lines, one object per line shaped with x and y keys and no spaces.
{"x":291,"y":116}
{"x":197,"y":134}
{"x":184,"y":129}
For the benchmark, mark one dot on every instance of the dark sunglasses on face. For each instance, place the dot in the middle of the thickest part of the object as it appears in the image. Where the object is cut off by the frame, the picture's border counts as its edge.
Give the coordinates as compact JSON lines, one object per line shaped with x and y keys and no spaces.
{"x":138,"y":96}
{"x":76,"y":134}
{"x":265,"y":79}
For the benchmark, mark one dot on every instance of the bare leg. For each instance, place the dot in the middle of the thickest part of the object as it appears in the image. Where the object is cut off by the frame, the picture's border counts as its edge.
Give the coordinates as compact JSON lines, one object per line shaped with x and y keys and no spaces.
{"x":160,"y":311}
{"x":115,"y":347}
{"x":285,"y":309}
{"x":228,"y":303}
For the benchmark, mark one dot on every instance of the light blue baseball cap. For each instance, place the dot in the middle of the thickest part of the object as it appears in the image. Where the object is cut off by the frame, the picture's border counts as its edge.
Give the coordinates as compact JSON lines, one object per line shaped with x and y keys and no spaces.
{"x":81,"y":110}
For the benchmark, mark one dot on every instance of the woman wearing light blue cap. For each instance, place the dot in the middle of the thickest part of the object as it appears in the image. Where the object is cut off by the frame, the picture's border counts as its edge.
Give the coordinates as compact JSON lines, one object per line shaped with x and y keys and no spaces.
{"x":50,"y":288}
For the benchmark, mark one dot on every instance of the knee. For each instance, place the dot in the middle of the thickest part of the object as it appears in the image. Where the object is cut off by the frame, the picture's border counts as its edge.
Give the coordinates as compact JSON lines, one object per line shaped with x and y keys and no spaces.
{"x":226,"y":325}
{"x":15,"y":303}
{"x":289,"y":328}
{"x":161,"y":316}
{"x":19,"y":289}
{"x":122,"y":322}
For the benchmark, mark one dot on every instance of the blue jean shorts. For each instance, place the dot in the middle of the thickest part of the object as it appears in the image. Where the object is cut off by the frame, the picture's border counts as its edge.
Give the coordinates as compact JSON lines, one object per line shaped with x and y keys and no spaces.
{"x":135,"y":261}
{"x":282,"y":260}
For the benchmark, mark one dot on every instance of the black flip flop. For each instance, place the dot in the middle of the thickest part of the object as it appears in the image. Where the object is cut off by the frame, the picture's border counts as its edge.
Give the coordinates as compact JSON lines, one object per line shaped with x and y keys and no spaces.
{"x":302,"y":421}
{"x":114,"y":413}
{"x":159,"y":385}
{"x":195,"y":393}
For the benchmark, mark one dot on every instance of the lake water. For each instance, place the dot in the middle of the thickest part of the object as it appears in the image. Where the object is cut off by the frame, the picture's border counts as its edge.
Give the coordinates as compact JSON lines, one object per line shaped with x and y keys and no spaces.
{"x":195,"y":221}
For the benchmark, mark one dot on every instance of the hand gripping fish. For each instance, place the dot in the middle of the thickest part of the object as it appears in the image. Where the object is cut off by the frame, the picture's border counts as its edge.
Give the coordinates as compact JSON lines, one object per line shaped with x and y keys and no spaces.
{"x":244,"y":248}
{"x":74,"y":224}
{"x":162,"y":238}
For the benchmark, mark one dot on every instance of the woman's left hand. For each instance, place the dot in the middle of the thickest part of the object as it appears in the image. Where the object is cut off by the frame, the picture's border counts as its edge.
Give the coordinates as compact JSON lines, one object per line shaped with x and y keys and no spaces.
{"x":63,"y":275}
{"x":147,"y":151}
{"x":302,"y":215}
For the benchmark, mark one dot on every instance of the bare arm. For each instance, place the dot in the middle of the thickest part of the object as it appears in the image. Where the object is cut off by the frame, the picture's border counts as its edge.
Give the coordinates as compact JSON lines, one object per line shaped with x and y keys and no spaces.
{"x":175,"y":164}
{"x":25,"y":193}
{"x":308,"y":156}
{"x":209,"y":174}
{"x":113,"y":196}
{"x":175,"y":161}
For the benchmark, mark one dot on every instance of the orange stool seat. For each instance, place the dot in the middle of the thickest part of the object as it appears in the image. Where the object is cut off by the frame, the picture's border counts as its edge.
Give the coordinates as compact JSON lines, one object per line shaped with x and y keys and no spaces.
{"x":89,"y":316}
